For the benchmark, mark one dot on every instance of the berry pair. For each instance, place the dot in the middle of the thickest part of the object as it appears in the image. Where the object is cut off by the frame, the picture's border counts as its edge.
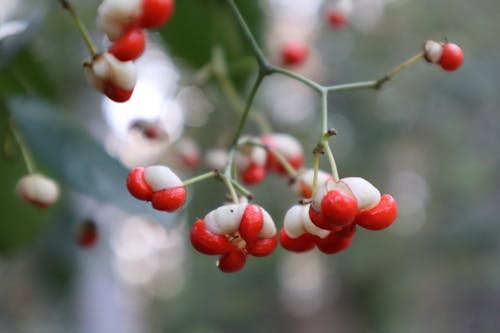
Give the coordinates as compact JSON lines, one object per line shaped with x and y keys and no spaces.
{"x":351,"y":201}
{"x":113,"y":73}
{"x":38,"y":190}
{"x":299,"y":234}
{"x":448,"y":55}
{"x":234,"y":232}
{"x":157,"y":184}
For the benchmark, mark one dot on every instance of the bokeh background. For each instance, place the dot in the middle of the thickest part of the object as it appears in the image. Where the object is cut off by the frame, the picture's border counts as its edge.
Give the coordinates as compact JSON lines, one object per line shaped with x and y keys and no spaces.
{"x":429,"y":137}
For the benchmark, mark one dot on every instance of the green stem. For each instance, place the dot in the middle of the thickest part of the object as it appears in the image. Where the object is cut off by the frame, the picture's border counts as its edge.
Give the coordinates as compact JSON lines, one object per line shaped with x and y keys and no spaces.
{"x":199,"y":178}
{"x":247,"y":108}
{"x":313,"y":85}
{"x":316,"y":155}
{"x":331,"y":159}
{"x":380,"y":82}
{"x":28,"y":159}
{"x":353,"y":86}
{"x":81,"y":27}
{"x":228,"y":176}
{"x":326,"y":135}
{"x":261,"y":59}
{"x":241,"y":189}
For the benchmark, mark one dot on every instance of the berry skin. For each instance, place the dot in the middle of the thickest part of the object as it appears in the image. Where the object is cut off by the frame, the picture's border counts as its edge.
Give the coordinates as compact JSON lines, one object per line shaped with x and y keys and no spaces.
{"x":137,"y":186}
{"x":254,"y":174}
{"x":207,"y":242}
{"x":156,"y":12}
{"x":338,"y":208}
{"x":130,"y":46}
{"x":232,"y":262}
{"x":38,"y":190}
{"x":303,"y":243}
{"x":380,"y":216}
{"x":289,"y":147}
{"x":336,"y":19}
{"x":294,"y":53}
{"x":337,"y":241}
{"x":452,"y":57}
{"x":87,"y":235}
{"x":169,"y":199}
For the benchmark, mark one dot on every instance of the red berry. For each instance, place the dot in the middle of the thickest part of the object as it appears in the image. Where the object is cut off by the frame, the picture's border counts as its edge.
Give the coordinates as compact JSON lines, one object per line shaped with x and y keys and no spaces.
{"x":336,"y":19}
{"x":336,"y":241}
{"x":380,"y":216}
{"x":117,"y":94}
{"x":294,"y":53}
{"x":318,"y":219}
{"x":207,"y":242}
{"x":232,"y":262}
{"x":156,"y":12}
{"x":251,"y":223}
{"x":87,"y":235}
{"x":169,"y":199}
{"x":263,"y":246}
{"x":338,"y":208}
{"x":137,"y":185}
{"x":304,"y":242}
{"x":253,"y":174}
{"x":130,"y":46}
{"x":452,"y":57}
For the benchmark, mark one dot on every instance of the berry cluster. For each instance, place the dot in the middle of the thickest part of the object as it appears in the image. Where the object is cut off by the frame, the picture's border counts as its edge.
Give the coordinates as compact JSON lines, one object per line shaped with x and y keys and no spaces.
{"x":113,"y":72}
{"x":157,"y":184}
{"x":330,"y":220}
{"x":234,"y":232}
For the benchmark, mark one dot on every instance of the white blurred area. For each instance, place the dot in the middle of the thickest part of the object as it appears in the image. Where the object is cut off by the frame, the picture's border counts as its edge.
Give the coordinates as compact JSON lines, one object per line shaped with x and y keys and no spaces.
{"x":305,"y":283}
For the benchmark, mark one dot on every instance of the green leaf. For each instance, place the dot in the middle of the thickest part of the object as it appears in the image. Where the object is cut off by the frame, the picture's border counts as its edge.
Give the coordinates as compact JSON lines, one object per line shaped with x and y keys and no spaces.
{"x":73,"y":156}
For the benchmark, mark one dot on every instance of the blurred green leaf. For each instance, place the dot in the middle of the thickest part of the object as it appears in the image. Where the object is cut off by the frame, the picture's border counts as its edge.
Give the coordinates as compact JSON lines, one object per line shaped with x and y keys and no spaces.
{"x":73,"y":156}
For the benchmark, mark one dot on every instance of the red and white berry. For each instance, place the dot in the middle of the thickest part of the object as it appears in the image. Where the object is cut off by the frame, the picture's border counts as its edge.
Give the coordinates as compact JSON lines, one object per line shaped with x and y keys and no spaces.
{"x":300,"y":234}
{"x":251,"y":162}
{"x":155,"y":13}
{"x":38,"y":190}
{"x":130,"y":45}
{"x":294,"y":53}
{"x":351,"y":201}
{"x":188,"y":153}
{"x":235,"y":231}
{"x":157,"y":184}
{"x":286,"y":145}
{"x":114,"y":78}
{"x":302,"y":186}
{"x":448,"y":55}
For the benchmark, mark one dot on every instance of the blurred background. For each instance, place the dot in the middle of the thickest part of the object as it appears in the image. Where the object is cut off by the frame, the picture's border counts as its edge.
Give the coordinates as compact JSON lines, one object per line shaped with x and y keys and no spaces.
{"x":429,"y":137}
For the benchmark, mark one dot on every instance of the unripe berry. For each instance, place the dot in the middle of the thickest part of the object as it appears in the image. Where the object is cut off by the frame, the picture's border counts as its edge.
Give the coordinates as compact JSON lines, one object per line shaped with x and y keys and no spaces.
{"x":294,"y":53}
{"x":38,"y":190}
{"x":156,"y":12}
{"x":130,"y":46}
{"x":452,"y":57}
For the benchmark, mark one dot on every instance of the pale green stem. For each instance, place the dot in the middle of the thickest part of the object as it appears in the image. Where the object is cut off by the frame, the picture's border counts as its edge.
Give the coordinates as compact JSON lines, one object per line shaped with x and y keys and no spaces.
{"x":81,"y":27}
{"x":313,"y":85}
{"x":199,"y":178}
{"x":28,"y":159}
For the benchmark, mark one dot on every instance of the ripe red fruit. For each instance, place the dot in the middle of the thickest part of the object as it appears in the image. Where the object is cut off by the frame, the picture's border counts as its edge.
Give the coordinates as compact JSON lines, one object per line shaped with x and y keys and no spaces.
{"x":263,"y":246}
{"x":380,"y":216}
{"x":169,"y":199}
{"x":232,"y":261}
{"x":156,"y":12}
{"x":303,"y":243}
{"x":452,"y":57}
{"x":338,"y":208}
{"x":336,"y":241}
{"x":253,"y":174}
{"x":130,"y":46}
{"x":207,"y":242}
{"x":137,"y":186}
{"x":294,"y":53}
{"x":117,"y":94}
{"x":87,"y":234}
{"x":336,"y":19}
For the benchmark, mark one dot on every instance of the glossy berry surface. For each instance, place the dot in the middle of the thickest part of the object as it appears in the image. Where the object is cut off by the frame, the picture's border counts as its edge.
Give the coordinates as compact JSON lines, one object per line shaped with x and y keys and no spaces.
{"x":130,"y":46}
{"x":137,"y":186}
{"x":339,"y":208}
{"x":294,"y":53}
{"x":254,"y":174}
{"x":380,"y":216}
{"x":156,"y":12}
{"x":452,"y":57}
{"x":169,"y":199}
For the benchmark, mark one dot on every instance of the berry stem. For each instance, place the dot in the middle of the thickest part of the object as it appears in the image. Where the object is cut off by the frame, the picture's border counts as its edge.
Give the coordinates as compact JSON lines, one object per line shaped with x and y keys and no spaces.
{"x":227,"y":176}
{"x":28,"y":159}
{"x":242,"y":189}
{"x":259,"y":55}
{"x":380,"y":82}
{"x":313,"y":85}
{"x":219,"y":66}
{"x":81,"y":27}
{"x":199,"y":178}
{"x":323,"y":143}
{"x":316,"y":155}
